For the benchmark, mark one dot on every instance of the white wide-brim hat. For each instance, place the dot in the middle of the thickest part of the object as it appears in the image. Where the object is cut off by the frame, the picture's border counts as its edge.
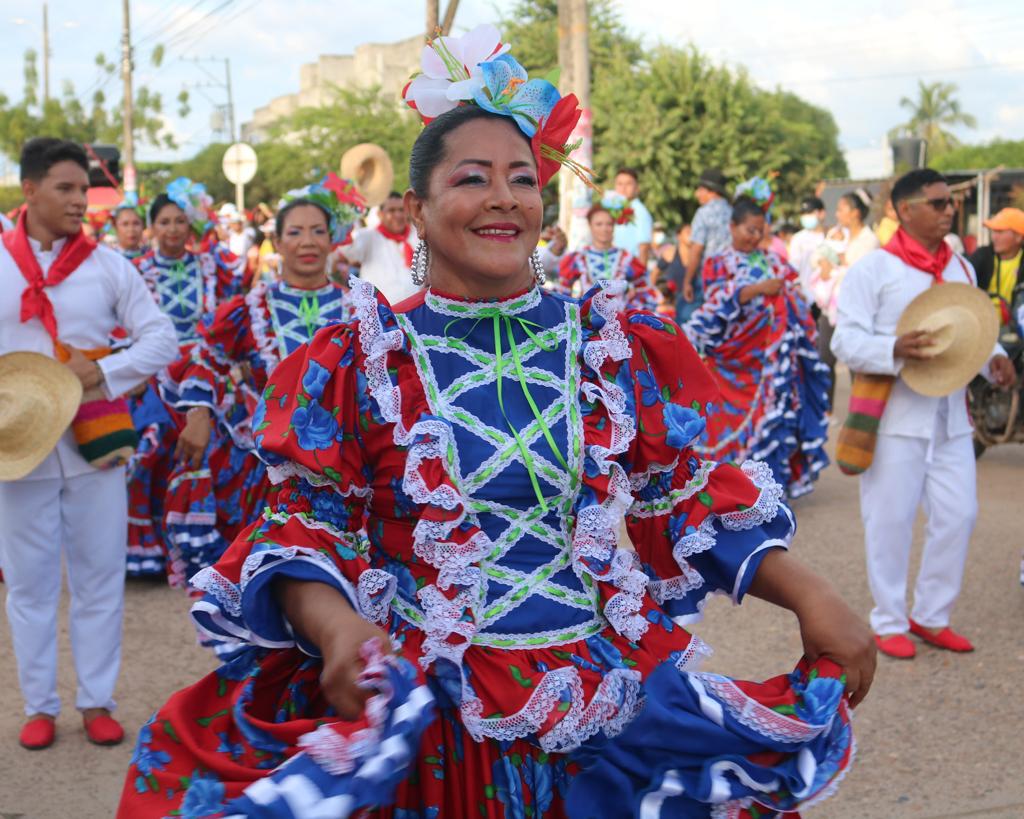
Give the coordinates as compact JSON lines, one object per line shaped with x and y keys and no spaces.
{"x":369,"y":166}
{"x":39,"y":398}
{"x":964,"y":328}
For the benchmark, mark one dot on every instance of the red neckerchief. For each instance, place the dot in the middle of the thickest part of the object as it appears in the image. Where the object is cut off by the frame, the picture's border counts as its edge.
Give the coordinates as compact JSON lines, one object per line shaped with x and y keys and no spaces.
{"x":401,"y":238}
{"x":911,"y":251}
{"x":34,"y":301}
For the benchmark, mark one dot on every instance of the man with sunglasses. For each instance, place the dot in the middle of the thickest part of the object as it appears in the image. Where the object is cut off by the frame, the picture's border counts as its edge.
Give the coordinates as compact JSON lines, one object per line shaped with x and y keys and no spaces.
{"x":923,"y":452}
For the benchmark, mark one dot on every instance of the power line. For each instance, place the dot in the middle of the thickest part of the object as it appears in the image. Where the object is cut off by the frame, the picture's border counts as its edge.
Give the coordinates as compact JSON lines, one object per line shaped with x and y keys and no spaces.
{"x":214,"y":24}
{"x":183,"y":35}
{"x":163,"y":31}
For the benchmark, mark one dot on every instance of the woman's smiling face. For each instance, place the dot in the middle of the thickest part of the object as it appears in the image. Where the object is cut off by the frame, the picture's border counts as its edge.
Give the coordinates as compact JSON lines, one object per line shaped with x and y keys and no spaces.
{"x":482,"y":216}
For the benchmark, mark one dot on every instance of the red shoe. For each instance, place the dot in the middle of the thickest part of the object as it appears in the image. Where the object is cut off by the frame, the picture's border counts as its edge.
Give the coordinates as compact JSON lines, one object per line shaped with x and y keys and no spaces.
{"x":947,"y":638}
{"x":38,"y":733}
{"x":896,"y":645}
{"x":104,"y":730}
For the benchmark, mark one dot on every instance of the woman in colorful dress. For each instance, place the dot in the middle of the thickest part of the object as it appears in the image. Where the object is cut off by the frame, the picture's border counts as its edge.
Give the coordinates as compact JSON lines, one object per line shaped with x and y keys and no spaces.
{"x":757,"y":335}
{"x":129,"y":232}
{"x":491,"y":438}
{"x":220,"y":486}
{"x":601,"y":261}
{"x":187,"y":285}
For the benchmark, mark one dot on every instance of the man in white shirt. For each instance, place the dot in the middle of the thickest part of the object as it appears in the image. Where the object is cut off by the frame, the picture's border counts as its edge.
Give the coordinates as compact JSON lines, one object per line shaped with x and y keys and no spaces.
{"x":56,"y":285}
{"x":923,"y":452}
{"x":384,"y":253}
{"x":636,"y":237}
{"x":806,"y":240}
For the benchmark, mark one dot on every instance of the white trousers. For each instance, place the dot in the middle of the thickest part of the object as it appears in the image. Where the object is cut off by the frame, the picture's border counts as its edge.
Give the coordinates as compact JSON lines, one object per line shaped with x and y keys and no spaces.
{"x":85,"y":519}
{"x":906,"y":472}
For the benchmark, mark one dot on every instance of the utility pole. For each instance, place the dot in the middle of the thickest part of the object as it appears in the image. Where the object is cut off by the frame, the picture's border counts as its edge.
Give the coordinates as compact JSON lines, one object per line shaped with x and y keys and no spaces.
{"x":231,"y":99}
{"x":449,"y":17}
{"x":574,"y":61}
{"x":433,"y":17}
{"x":239,"y":186}
{"x":46,"y":55}
{"x":128,"y":158}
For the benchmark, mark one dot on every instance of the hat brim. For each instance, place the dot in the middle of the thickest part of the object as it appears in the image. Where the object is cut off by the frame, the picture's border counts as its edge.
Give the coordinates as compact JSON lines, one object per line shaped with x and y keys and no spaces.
{"x":975,"y":329}
{"x":369,"y":166}
{"x":714,"y":187}
{"x":60,"y":394}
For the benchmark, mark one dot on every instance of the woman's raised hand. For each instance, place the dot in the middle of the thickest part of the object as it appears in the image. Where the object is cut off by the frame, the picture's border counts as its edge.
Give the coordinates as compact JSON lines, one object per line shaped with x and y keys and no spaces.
{"x":322,"y":615}
{"x":342,"y":664}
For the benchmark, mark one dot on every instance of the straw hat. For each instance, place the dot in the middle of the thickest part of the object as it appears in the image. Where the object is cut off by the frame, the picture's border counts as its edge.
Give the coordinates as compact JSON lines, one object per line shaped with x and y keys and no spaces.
{"x":369,"y":166}
{"x":38,"y":400}
{"x":964,"y":328}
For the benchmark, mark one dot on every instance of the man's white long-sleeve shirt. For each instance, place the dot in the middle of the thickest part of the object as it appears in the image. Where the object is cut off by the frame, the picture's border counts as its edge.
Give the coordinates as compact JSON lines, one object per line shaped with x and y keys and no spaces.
{"x":104,"y":292}
{"x":876,"y":291}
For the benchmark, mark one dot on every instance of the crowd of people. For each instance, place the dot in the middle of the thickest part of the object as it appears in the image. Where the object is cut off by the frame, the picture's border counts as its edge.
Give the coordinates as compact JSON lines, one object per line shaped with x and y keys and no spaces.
{"x":447,"y":492}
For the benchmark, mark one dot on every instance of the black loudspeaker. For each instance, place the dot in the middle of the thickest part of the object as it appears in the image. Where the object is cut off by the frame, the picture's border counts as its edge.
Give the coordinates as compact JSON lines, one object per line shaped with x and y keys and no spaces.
{"x":104,"y":166}
{"x":909,"y":153}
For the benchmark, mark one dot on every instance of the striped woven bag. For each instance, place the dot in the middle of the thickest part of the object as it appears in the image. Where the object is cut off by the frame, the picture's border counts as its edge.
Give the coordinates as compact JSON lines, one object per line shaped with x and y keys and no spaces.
{"x":855,"y":447}
{"x":103,"y":429}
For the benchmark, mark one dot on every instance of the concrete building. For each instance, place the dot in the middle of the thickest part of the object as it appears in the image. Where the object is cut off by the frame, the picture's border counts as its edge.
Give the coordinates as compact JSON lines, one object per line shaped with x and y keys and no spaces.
{"x":387,"y":65}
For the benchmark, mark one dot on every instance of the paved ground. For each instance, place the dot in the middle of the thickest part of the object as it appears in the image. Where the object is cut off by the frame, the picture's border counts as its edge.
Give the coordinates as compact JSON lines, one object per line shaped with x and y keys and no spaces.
{"x":942,"y":736}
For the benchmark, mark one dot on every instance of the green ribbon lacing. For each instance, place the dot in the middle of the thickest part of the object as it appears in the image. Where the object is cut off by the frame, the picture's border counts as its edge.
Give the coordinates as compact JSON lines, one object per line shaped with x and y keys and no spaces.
{"x":309,"y":312}
{"x":499,"y":319}
{"x":178,"y":275}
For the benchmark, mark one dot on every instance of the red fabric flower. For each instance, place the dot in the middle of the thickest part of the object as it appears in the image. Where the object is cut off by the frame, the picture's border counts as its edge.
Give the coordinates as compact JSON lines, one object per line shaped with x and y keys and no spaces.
{"x":554,"y":132}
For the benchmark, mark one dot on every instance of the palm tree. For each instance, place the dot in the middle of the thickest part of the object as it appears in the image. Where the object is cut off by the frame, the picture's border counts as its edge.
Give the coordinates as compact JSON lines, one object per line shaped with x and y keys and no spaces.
{"x":936,"y":109}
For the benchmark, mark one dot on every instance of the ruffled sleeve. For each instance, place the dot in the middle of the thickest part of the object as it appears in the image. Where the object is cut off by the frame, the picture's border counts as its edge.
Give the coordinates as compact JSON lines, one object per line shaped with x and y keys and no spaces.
{"x":306,"y":429}
{"x":710,"y":322}
{"x":699,"y":527}
{"x":202,"y":379}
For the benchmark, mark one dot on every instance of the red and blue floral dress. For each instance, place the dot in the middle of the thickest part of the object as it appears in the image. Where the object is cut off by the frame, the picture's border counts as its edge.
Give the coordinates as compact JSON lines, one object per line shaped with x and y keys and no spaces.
{"x":490,"y":452}
{"x":188,"y":290}
{"x":588,"y":267}
{"x":774,"y":387}
{"x":226,"y":372}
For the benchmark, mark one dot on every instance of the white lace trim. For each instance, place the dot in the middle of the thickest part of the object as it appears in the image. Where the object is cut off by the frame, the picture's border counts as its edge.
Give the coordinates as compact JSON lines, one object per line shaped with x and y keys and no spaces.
{"x":470,"y":309}
{"x":694,"y":655}
{"x":765,"y":508}
{"x":596,"y":532}
{"x":444,"y":616}
{"x":266,"y":343}
{"x":279,"y":473}
{"x":614,"y":704}
{"x":376,"y":607}
{"x":666,"y":503}
{"x":751,"y":713}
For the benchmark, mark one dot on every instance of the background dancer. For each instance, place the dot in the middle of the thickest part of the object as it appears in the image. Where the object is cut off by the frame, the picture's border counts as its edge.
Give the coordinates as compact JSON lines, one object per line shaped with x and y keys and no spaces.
{"x":61,"y":292}
{"x":757,"y":333}
{"x":220,"y":487}
{"x":187,"y":284}
{"x":600,"y":261}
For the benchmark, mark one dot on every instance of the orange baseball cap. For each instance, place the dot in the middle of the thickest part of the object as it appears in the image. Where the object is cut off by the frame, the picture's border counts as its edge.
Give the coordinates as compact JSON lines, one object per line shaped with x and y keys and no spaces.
{"x":1007,"y":219}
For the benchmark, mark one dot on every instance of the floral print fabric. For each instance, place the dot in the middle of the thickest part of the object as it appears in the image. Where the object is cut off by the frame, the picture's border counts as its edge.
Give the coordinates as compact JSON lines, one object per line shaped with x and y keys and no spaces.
{"x":497,"y":572}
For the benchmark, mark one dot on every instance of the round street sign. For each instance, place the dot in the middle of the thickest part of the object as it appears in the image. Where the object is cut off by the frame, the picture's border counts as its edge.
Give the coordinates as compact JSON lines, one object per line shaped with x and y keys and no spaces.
{"x":239,"y":163}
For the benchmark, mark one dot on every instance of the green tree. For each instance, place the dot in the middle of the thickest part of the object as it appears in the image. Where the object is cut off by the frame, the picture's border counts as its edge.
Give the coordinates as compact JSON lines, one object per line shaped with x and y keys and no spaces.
{"x":69,"y":118}
{"x":531,"y":26}
{"x":685,"y":113}
{"x":317,"y":137}
{"x":1006,"y":152}
{"x":933,"y":113}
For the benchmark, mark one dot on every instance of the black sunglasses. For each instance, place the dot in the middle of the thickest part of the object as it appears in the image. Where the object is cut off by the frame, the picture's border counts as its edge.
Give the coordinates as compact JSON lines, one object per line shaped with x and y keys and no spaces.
{"x":937,"y":204}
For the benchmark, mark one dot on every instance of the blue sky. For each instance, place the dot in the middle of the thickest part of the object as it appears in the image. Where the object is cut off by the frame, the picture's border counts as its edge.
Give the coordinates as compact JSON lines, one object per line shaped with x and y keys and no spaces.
{"x":857,"y":60}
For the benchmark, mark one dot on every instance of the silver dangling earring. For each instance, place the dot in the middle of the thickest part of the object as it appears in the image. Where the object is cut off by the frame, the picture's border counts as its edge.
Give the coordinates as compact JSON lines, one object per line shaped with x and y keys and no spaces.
{"x":538,"y":269}
{"x":420,"y":264}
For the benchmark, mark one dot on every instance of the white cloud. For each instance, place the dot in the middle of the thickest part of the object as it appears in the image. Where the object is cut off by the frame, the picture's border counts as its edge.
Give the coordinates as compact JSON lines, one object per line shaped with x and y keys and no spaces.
{"x":821,"y":51}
